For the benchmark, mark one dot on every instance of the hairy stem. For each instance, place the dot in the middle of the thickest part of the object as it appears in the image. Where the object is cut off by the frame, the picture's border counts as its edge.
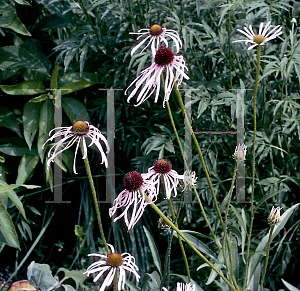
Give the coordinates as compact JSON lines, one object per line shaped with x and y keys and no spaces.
{"x":253,"y":166}
{"x":267,"y":257}
{"x":88,"y":171}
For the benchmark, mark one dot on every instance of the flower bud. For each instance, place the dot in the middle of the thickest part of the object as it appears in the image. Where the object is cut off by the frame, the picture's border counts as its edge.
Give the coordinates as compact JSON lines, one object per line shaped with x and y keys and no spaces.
{"x":274,"y":216}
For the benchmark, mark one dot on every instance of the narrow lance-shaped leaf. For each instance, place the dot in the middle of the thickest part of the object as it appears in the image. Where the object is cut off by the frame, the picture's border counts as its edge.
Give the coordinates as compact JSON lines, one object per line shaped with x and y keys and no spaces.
{"x":8,"y":227}
{"x":153,"y":249}
{"x":45,"y":125}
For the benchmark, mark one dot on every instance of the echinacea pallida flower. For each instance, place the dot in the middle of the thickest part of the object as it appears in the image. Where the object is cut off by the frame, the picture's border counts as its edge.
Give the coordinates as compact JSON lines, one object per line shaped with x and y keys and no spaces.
{"x":76,"y":133}
{"x":150,"y":78}
{"x":155,"y":35}
{"x":162,"y":168}
{"x":274,"y":216}
{"x":263,"y":36}
{"x":111,"y":263}
{"x":133,"y":183}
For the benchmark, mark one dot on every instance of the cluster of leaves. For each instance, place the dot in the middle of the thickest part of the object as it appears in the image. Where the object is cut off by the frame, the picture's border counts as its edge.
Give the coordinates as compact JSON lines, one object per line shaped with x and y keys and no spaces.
{"x":84,"y":45}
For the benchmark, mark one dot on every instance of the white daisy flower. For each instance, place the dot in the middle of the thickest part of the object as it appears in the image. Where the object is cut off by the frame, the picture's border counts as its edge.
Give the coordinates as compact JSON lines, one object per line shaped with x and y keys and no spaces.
{"x":185,"y":287}
{"x":150,"y":78}
{"x":111,"y":262}
{"x":263,"y":36}
{"x":76,"y":133}
{"x":162,"y":168}
{"x":155,"y":35}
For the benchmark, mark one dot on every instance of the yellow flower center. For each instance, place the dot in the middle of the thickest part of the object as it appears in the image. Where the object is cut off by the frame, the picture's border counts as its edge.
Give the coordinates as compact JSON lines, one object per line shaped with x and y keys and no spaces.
{"x":114,"y":260}
{"x":156,"y":30}
{"x":80,"y":127}
{"x":259,"y":39}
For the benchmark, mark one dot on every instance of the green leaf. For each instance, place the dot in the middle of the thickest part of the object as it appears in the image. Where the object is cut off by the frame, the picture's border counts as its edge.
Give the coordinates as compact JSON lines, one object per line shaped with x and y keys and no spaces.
{"x":8,"y":227}
{"x":30,"y":87}
{"x":9,"y":120}
{"x":15,"y":147}
{"x":197,"y":244}
{"x":41,"y":98}
{"x":31,"y":115}
{"x":53,"y":82}
{"x":76,"y":86}
{"x":75,"y":110}
{"x":153,"y":249}
{"x":289,"y":286}
{"x":22,"y":2}
{"x":237,"y":232}
{"x":239,"y":217}
{"x":45,"y":125}
{"x":132,"y":286}
{"x":26,"y":168}
{"x":76,"y":275}
{"x":13,"y":57}
{"x":8,"y":190}
{"x":9,"y":19}
{"x":40,"y":276}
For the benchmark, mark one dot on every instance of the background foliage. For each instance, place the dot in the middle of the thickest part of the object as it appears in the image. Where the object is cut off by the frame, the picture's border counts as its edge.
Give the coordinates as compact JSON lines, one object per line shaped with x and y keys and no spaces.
{"x":54,"y":44}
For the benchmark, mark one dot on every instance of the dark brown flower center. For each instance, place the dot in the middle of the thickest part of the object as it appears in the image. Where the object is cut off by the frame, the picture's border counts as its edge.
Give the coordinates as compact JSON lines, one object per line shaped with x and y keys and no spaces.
{"x":80,"y":127}
{"x":114,"y":260}
{"x":164,"y":56}
{"x":259,"y":39}
{"x":156,"y":30}
{"x":162,"y":166}
{"x":133,"y":181}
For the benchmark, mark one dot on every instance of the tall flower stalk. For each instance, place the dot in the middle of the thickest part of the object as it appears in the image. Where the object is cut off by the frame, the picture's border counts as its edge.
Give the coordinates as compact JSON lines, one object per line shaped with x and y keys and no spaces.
{"x":253,"y":165}
{"x":88,"y":171}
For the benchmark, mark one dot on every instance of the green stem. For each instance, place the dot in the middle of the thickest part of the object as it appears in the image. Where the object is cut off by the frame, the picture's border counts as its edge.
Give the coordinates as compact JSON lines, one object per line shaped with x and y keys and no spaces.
{"x":131,"y":14}
{"x":180,"y":242}
{"x":186,"y":166}
{"x":88,"y":170}
{"x":141,"y":11}
{"x":182,"y":13}
{"x":187,"y":241}
{"x":200,"y":153}
{"x":229,"y":46}
{"x":101,"y":42}
{"x":267,"y":258}
{"x":116,"y":280}
{"x":225,"y":233}
{"x":253,"y":166}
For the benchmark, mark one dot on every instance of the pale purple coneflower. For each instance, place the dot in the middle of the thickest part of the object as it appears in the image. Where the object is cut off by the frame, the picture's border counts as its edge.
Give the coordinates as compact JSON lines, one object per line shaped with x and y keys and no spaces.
{"x":150,"y":78}
{"x":155,"y":35}
{"x":133,"y":183}
{"x":263,"y":36}
{"x":76,"y":133}
{"x":162,"y":168}
{"x":111,"y":263}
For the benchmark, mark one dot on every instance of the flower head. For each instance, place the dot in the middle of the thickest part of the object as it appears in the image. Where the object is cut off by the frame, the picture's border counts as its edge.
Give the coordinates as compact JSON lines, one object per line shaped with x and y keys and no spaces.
{"x":76,"y":133}
{"x":155,"y":35}
{"x":111,"y":262}
{"x":162,"y":168}
{"x":240,"y":153}
{"x":189,"y":179}
{"x":274,"y":216}
{"x":133,"y":183}
{"x":263,"y":36}
{"x":149,"y":79}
